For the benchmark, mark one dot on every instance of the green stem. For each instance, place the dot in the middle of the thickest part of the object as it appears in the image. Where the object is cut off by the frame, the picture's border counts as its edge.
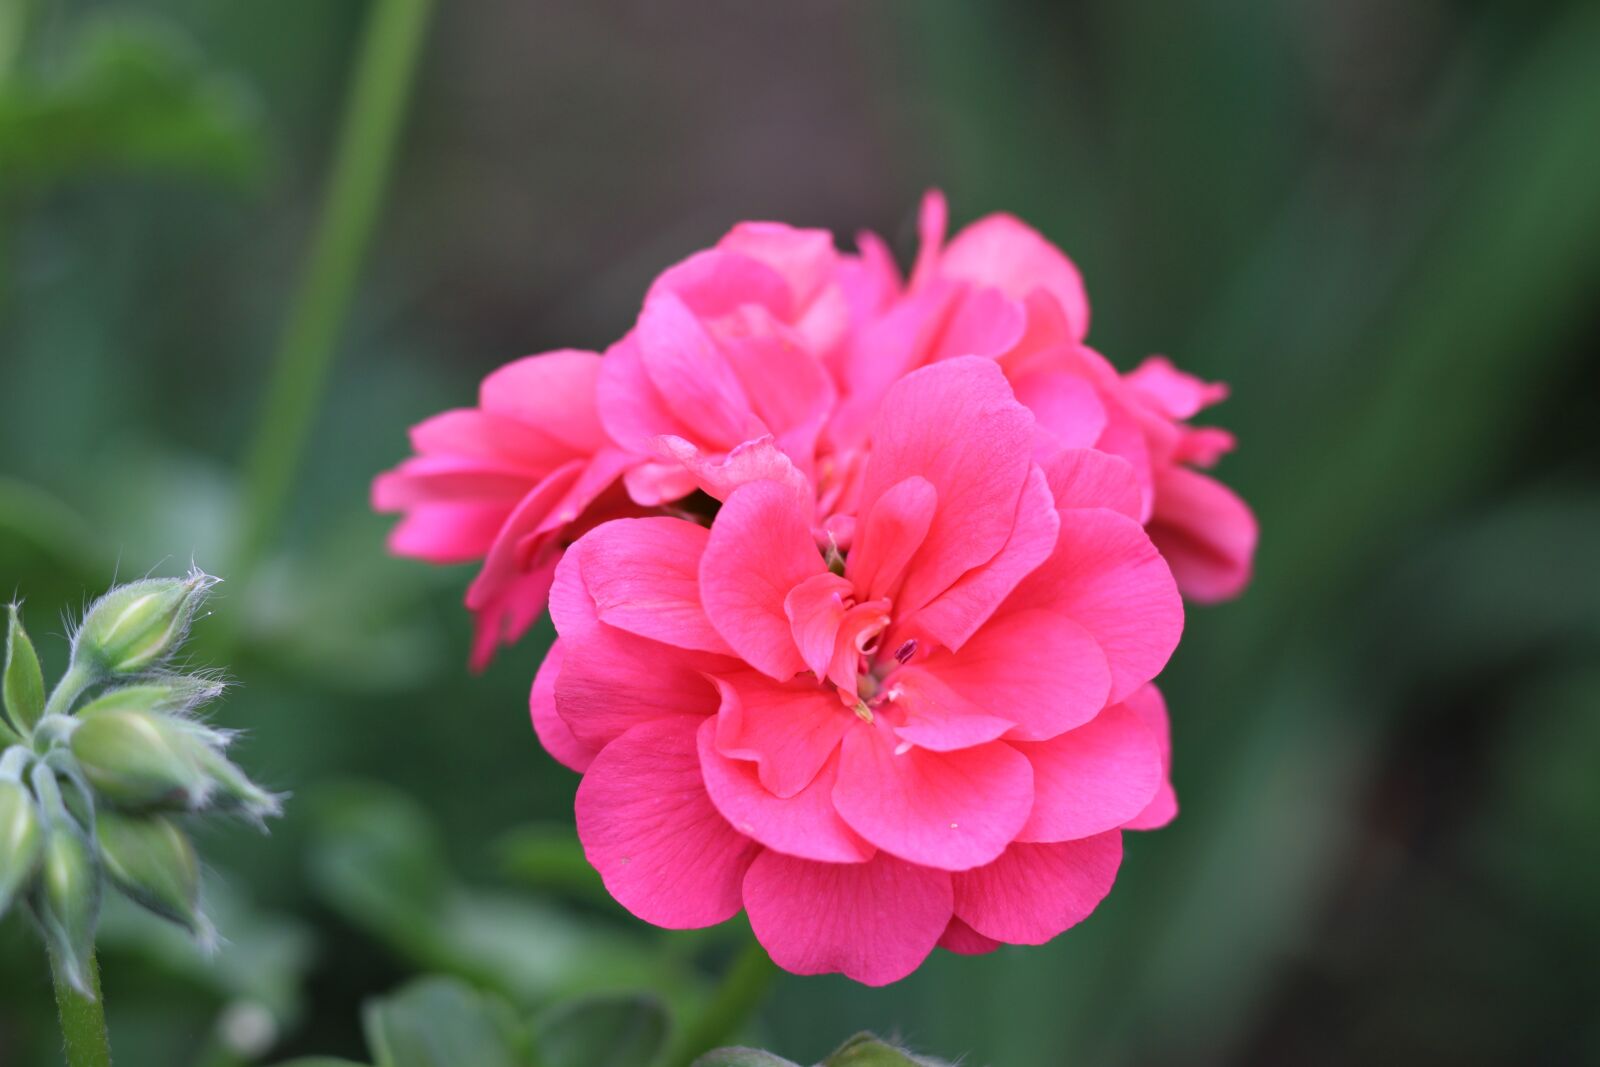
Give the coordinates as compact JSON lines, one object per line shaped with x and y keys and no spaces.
{"x":735,"y":1000}
{"x":67,"y":691}
{"x":83,"y":1019}
{"x":374,"y":108}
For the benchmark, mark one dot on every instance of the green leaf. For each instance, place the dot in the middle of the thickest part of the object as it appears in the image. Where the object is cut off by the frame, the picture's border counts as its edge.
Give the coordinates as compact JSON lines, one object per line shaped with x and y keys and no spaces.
{"x":320,"y":1061}
{"x":135,"y":94}
{"x":24,"y":681}
{"x":442,"y":1022}
{"x":601,"y":1031}
{"x":742,"y":1057}
{"x":867,"y":1050}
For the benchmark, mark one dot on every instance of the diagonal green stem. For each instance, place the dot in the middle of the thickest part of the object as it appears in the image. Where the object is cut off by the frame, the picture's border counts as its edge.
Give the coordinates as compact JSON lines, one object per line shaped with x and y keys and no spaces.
{"x":374,"y":109}
{"x":735,"y":1000}
{"x":83,"y":1019}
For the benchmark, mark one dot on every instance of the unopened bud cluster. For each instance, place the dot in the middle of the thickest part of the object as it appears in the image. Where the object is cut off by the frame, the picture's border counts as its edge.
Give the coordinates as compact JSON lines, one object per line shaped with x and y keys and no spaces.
{"x":98,"y":775}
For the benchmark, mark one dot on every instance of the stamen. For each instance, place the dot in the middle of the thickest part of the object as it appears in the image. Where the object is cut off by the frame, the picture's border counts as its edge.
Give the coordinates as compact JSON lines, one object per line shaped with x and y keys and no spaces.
{"x":903,"y":654}
{"x":863,"y":712}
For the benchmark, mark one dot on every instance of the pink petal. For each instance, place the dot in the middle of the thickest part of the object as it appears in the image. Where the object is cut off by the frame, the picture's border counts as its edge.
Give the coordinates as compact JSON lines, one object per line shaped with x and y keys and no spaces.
{"x":963,"y":940}
{"x":644,"y":577}
{"x":760,"y":548}
{"x":611,"y":680}
{"x":804,"y":825}
{"x":653,"y":484}
{"x":554,"y":733}
{"x":508,"y":556}
{"x":1039,"y":669}
{"x":937,"y":718}
{"x":720,"y":474}
{"x":956,"y":613}
{"x":423,"y":480}
{"x":788,"y":731}
{"x":895,"y":528}
{"x":1148,"y":703}
{"x":1092,"y":779}
{"x":469,"y":433}
{"x":553,"y":392}
{"x":805,"y":258}
{"x":694,"y":380}
{"x":1089,"y":478}
{"x":984,"y":322}
{"x":1004,"y":252}
{"x":649,"y":828}
{"x":933,"y":219}
{"x":631,"y":407}
{"x":816,"y":608}
{"x":1106,"y":576}
{"x":448,"y":533}
{"x":1067,"y":408}
{"x":1207,"y":534}
{"x":874,"y":922}
{"x":504,"y":615}
{"x":1174,"y":393}
{"x":956,"y":424}
{"x":950,"y":810}
{"x":788,"y":390}
{"x":719,"y":281}
{"x":1034,"y":892}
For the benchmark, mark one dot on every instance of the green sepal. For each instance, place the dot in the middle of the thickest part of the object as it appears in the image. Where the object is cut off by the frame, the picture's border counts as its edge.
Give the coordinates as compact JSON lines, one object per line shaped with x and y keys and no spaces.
{"x":24,"y":681}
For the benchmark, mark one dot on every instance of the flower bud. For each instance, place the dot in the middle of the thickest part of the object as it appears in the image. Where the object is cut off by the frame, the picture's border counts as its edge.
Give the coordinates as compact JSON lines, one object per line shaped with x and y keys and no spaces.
{"x":151,"y":860}
{"x":140,"y":759}
{"x":139,"y":626}
{"x":68,"y":901}
{"x":24,"y":682}
{"x":21,"y":841}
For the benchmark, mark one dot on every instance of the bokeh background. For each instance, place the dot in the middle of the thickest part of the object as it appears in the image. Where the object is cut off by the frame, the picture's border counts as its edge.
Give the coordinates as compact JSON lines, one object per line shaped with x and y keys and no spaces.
{"x":1380,"y":222}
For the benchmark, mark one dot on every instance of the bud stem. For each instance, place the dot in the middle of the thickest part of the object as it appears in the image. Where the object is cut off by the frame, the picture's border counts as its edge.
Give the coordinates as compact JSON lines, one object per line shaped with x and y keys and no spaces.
{"x":83,"y":1019}
{"x":67,"y":691}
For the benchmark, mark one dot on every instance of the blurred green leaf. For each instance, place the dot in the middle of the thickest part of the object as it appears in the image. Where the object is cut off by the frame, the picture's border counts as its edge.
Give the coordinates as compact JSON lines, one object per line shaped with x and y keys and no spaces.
{"x":601,"y":1031}
{"x":549,"y":856}
{"x":442,"y":1022}
{"x":378,"y":860}
{"x":132,"y":94}
{"x":321,"y":1061}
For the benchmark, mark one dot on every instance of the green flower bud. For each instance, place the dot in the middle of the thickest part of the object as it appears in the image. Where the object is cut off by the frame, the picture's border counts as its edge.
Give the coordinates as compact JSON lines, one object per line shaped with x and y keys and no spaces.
{"x":140,"y":759}
{"x":24,"y":681}
{"x":139,"y":626}
{"x":67,"y":900}
{"x":154,"y":863}
{"x":21,"y":841}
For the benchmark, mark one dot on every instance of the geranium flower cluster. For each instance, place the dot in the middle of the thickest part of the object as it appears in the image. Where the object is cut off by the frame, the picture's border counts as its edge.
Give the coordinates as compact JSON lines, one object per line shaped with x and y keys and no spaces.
{"x":860,"y":584}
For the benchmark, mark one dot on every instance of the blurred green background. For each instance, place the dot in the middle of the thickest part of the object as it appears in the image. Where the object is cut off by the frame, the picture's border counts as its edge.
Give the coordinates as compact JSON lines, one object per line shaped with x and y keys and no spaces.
{"x":1380,"y":222}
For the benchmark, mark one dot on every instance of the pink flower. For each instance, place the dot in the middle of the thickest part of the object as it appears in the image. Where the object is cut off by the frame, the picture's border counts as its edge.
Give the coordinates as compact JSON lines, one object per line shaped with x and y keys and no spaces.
{"x":935,"y":739}
{"x":509,"y":482}
{"x":724,"y":369}
{"x":1000,"y":290}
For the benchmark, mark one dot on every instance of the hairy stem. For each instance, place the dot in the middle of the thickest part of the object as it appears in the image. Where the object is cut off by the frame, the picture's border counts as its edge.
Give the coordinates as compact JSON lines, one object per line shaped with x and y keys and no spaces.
{"x":83,"y":1019}
{"x":374,"y":108}
{"x":735,"y":1000}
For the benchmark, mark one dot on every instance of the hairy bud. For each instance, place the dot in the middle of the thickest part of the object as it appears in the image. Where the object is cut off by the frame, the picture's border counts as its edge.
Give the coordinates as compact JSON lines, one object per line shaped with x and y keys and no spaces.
{"x":21,"y":841}
{"x":68,"y":900}
{"x":152,"y":861}
{"x":139,"y":626}
{"x":140,"y":759}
